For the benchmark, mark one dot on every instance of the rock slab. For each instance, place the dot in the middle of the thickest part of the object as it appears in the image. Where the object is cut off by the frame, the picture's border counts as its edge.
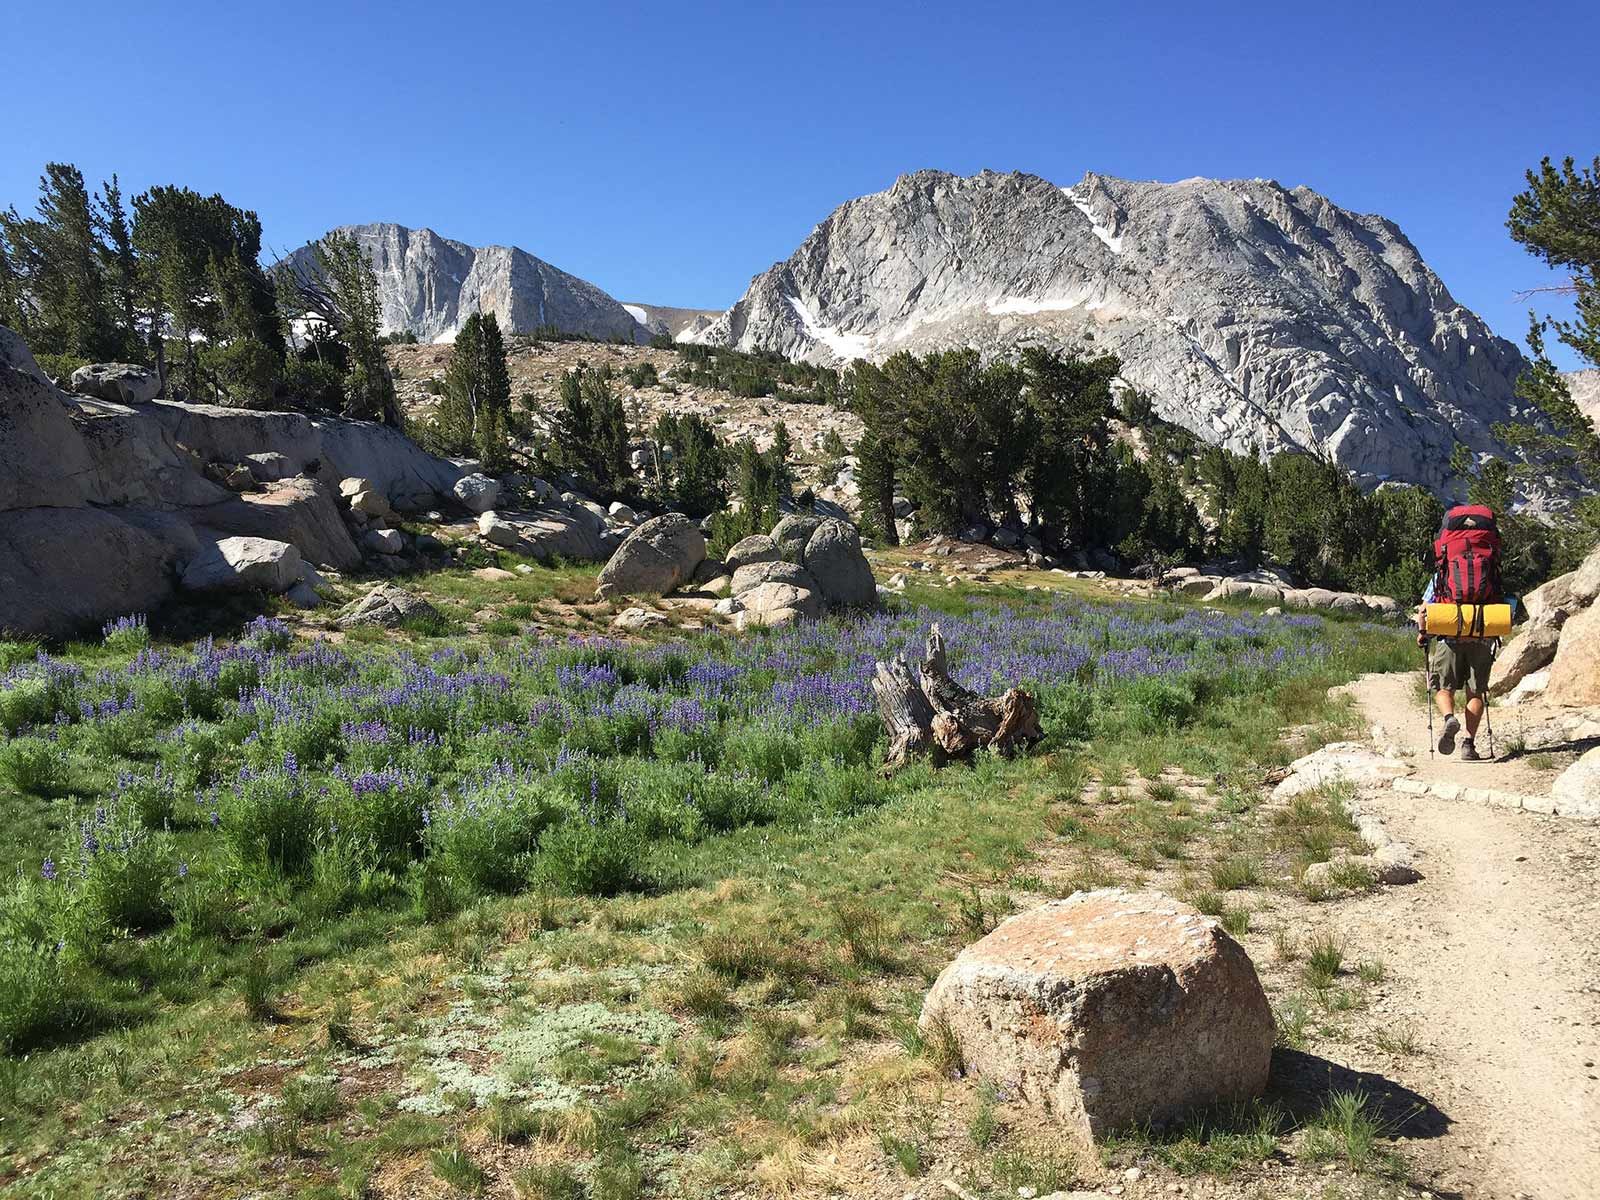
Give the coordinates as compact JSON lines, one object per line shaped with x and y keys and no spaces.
{"x":1575,"y":670}
{"x":1110,"y":1009}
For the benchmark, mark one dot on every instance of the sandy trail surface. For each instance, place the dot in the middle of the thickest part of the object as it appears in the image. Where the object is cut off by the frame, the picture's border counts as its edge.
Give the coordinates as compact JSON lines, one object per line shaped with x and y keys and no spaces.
{"x":1498,"y":952}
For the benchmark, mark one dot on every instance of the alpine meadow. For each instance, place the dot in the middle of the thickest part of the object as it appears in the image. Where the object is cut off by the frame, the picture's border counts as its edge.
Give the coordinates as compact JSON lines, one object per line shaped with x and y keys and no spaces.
{"x":1078,"y":680}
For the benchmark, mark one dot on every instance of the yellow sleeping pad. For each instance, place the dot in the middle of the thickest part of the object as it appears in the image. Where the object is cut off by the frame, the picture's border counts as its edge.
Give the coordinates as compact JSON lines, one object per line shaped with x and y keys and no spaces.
{"x":1462,"y":620}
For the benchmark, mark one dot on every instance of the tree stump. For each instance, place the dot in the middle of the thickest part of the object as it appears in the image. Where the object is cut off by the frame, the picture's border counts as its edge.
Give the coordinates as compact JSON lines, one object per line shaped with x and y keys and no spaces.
{"x":924,"y":711}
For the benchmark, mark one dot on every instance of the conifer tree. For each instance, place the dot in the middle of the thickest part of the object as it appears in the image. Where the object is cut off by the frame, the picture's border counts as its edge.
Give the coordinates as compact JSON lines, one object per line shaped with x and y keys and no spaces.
{"x":57,"y":259}
{"x":341,"y":291}
{"x":1558,"y":220}
{"x":120,"y":265}
{"x":779,"y":454}
{"x":591,"y":430}
{"x":198,"y":259}
{"x":696,"y":473}
{"x":476,"y":407}
{"x":13,"y":312}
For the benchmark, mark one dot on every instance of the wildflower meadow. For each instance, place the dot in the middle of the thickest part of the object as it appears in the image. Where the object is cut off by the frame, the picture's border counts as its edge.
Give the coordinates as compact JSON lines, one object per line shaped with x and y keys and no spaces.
{"x":208,"y":798}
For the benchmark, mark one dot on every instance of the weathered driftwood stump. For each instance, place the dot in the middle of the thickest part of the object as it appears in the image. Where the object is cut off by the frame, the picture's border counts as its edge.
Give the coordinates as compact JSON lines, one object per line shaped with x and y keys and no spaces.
{"x":924,"y":711}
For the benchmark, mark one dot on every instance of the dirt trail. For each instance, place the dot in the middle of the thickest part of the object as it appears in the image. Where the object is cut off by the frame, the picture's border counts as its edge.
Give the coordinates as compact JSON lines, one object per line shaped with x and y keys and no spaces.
{"x":1497,"y":951}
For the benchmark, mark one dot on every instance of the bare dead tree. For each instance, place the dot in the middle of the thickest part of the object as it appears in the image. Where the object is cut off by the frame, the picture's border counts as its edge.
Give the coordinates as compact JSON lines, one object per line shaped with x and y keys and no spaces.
{"x":925,"y":712}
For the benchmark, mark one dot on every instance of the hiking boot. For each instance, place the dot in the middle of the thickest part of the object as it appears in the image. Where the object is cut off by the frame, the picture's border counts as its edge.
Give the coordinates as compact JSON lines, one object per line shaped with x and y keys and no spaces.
{"x":1469,"y":752}
{"x":1447,"y":737}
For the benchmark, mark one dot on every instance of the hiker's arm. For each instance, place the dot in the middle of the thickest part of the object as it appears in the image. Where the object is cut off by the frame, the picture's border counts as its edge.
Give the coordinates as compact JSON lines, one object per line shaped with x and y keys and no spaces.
{"x":1422,"y":614}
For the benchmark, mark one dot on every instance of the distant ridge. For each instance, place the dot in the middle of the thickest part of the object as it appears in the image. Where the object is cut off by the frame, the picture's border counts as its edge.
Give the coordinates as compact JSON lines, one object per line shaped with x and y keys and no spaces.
{"x":1259,"y":317}
{"x":430,"y":285}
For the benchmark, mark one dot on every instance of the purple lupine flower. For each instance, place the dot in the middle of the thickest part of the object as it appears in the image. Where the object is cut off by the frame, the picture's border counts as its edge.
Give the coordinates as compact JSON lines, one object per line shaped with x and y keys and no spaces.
{"x":49,"y":870}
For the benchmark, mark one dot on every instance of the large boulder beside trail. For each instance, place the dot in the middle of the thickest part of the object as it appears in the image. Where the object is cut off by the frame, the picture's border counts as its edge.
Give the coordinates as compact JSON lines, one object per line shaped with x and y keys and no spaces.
{"x":753,"y":575}
{"x":1576,"y":791}
{"x":477,"y":493}
{"x":776,"y":603}
{"x":1575,"y":669}
{"x":757,"y":548}
{"x":655,"y":558}
{"x":1555,"y":658}
{"x":833,"y":556}
{"x":123,"y":383}
{"x":1110,"y":1010}
{"x":791,"y":534}
{"x":1245,"y":589}
{"x":1532,"y":649}
{"x":806,"y":566}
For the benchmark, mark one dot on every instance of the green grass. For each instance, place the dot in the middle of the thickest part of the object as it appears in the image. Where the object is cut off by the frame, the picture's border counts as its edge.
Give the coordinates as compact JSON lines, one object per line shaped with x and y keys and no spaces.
{"x":728,"y":1020}
{"x":1347,"y":1130}
{"x":1324,"y":959}
{"x":1221,"y":1142}
{"x":904,"y":1153}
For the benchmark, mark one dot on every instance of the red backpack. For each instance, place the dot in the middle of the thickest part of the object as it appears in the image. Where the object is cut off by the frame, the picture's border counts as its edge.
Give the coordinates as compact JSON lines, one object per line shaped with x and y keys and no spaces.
{"x":1466,"y":557}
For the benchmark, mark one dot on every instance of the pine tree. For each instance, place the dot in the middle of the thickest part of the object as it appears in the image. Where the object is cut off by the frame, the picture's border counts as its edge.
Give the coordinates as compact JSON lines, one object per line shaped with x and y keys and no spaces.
{"x":779,"y":454}
{"x":1558,"y":220}
{"x":199,"y":263}
{"x":591,"y":430}
{"x":120,"y":266}
{"x":341,"y":291}
{"x":58,"y":261}
{"x":476,"y":407}
{"x":695,"y":476}
{"x":876,"y":479}
{"x":13,"y":307}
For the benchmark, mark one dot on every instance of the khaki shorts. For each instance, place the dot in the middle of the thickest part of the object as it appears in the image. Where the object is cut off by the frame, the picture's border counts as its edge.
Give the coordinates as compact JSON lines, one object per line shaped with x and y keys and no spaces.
{"x":1461,"y":663}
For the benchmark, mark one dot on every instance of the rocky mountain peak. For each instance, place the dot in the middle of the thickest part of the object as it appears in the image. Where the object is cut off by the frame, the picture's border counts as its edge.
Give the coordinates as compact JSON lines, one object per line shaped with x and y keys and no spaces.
{"x":430,"y":285}
{"x":1260,"y":317}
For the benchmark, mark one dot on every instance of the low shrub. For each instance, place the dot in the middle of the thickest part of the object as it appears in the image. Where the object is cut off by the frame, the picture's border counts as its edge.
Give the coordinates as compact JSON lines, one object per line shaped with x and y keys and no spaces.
{"x":485,"y":839}
{"x":270,"y":821}
{"x":124,"y":872}
{"x":36,"y":765}
{"x":39,"y":1000}
{"x":584,"y":859}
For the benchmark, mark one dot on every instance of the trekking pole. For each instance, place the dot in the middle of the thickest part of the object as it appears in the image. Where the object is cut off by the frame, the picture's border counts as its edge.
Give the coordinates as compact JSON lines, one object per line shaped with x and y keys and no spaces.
{"x":1427,"y":696}
{"x":1494,"y":653}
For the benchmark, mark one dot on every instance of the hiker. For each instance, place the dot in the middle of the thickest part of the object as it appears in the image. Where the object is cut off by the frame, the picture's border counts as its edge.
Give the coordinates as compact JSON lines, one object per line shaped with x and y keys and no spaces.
{"x":1466,"y":559}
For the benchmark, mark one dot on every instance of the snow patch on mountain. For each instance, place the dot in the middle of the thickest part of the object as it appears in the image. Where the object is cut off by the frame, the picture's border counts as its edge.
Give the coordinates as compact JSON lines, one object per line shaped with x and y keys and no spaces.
{"x":1103,"y":232}
{"x":846,"y":346}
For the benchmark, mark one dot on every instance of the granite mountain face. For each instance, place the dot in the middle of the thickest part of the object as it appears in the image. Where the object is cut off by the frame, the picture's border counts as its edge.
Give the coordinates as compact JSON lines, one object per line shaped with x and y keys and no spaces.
{"x":430,"y":285}
{"x":1260,"y":317}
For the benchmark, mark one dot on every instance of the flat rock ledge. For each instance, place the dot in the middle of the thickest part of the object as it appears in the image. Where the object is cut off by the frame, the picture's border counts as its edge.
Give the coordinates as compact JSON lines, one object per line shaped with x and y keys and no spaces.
{"x":1581,"y":804}
{"x":1386,"y":860}
{"x":1109,"y":1009}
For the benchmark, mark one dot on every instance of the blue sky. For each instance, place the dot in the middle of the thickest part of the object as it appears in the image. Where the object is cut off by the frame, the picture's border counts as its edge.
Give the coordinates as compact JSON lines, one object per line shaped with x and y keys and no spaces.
{"x":671,"y":151}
